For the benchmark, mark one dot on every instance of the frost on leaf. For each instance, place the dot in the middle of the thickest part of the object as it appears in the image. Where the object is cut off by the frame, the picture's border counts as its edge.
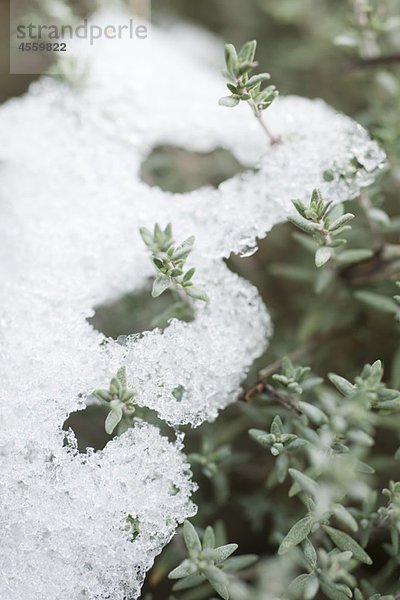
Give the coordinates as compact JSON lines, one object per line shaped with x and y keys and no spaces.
{"x":71,"y":205}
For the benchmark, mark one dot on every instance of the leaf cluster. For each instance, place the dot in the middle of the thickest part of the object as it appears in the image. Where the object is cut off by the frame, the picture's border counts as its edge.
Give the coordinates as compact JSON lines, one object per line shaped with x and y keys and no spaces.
{"x":119,"y":397}
{"x":169,"y":260}
{"x":207,"y":562}
{"x":244,"y":86}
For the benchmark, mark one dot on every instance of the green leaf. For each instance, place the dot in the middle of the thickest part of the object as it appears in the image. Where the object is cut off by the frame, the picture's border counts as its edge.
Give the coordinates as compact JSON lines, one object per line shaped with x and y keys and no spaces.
{"x":114,"y":416}
{"x":121,"y":376}
{"x":147,"y":236}
{"x":102,"y":395}
{"x":218,"y":580}
{"x":186,"y":568}
{"x":303,"y":224}
{"x":228,"y":101}
{"x":332,"y":592}
{"x":343,"y":515}
{"x":338,"y":223}
{"x":322,"y":256}
{"x":197,"y":294}
{"x":377,"y":301}
{"x":346,"y":542}
{"x":231,"y":58}
{"x":209,"y":538}
{"x":261,"y":437}
{"x":184,"y":249}
{"x":238,"y":563}
{"x":222,"y":552}
{"x":345,"y":387}
{"x":188,"y":275}
{"x":299,"y":585}
{"x":256,"y":79}
{"x":297,"y":534}
{"x":192,"y":540}
{"x":248,"y":51}
{"x":188,"y":582}
{"x":310,"y":553}
{"x":160,"y":285}
{"x":313,"y":413}
{"x":354,"y":256}
{"x":307,"y":484}
{"x":277,"y":425}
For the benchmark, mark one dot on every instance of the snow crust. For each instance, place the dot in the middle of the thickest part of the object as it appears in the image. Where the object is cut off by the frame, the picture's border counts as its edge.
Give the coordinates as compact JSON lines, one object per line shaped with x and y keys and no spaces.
{"x":71,"y":204}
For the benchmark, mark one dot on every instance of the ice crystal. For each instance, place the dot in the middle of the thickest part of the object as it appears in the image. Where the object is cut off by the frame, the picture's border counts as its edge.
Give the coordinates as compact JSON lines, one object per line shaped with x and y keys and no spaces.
{"x":71,"y":204}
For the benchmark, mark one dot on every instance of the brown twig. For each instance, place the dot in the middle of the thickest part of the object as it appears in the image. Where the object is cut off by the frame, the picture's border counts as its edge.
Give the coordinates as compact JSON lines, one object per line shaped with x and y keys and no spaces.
{"x":374,"y":61}
{"x":263,"y":388}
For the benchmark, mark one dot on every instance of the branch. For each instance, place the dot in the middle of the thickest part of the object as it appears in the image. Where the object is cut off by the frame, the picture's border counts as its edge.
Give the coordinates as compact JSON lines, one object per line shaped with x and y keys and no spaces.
{"x":375,"y":61}
{"x":263,"y":388}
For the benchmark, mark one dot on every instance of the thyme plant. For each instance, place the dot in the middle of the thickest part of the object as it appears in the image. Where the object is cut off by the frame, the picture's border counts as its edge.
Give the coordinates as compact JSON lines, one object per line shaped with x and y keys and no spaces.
{"x":246,"y":87}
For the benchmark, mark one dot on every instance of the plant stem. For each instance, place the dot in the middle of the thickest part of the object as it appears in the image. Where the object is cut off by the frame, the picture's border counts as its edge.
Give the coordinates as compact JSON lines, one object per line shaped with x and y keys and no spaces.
{"x":273,"y":140}
{"x":258,"y":115}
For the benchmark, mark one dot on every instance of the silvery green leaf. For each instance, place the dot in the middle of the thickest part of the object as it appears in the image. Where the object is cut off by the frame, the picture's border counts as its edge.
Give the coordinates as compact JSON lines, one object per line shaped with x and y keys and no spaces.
{"x":189,"y":274}
{"x":248,"y":51}
{"x":218,"y":580}
{"x":277,"y":425}
{"x":160,"y":285}
{"x":296,"y":444}
{"x":346,"y":542}
{"x":379,"y":216}
{"x":314,"y":413}
{"x":363,"y":467}
{"x":158,"y":262}
{"x":309,"y":553}
{"x":184,"y":249}
{"x":297,"y":534}
{"x":256,"y":79}
{"x":197,"y":294}
{"x":186,"y":568}
{"x":377,"y":301}
{"x":306,"y":483}
{"x":168,"y":230}
{"x":233,"y":89}
{"x":300,"y":207}
{"x":345,"y":387}
{"x":354,"y":256}
{"x":147,"y":236}
{"x":281,"y":468}
{"x":231,"y":58}
{"x":121,"y":376}
{"x":343,"y":515}
{"x":261,"y":437}
{"x":340,"y":221}
{"x":228,"y":101}
{"x":209,"y":538}
{"x":299,"y":585}
{"x":103,"y":395}
{"x":115,"y":386}
{"x":222,"y":552}
{"x":188,"y":582}
{"x":114,"y":416}
{"x":303,"y":224}
{"x":332,"y":592}
{"x":238,"y":563}
{"x":192,"y":540}
{"x":157,"y":235}
{"x":322,"y":256}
